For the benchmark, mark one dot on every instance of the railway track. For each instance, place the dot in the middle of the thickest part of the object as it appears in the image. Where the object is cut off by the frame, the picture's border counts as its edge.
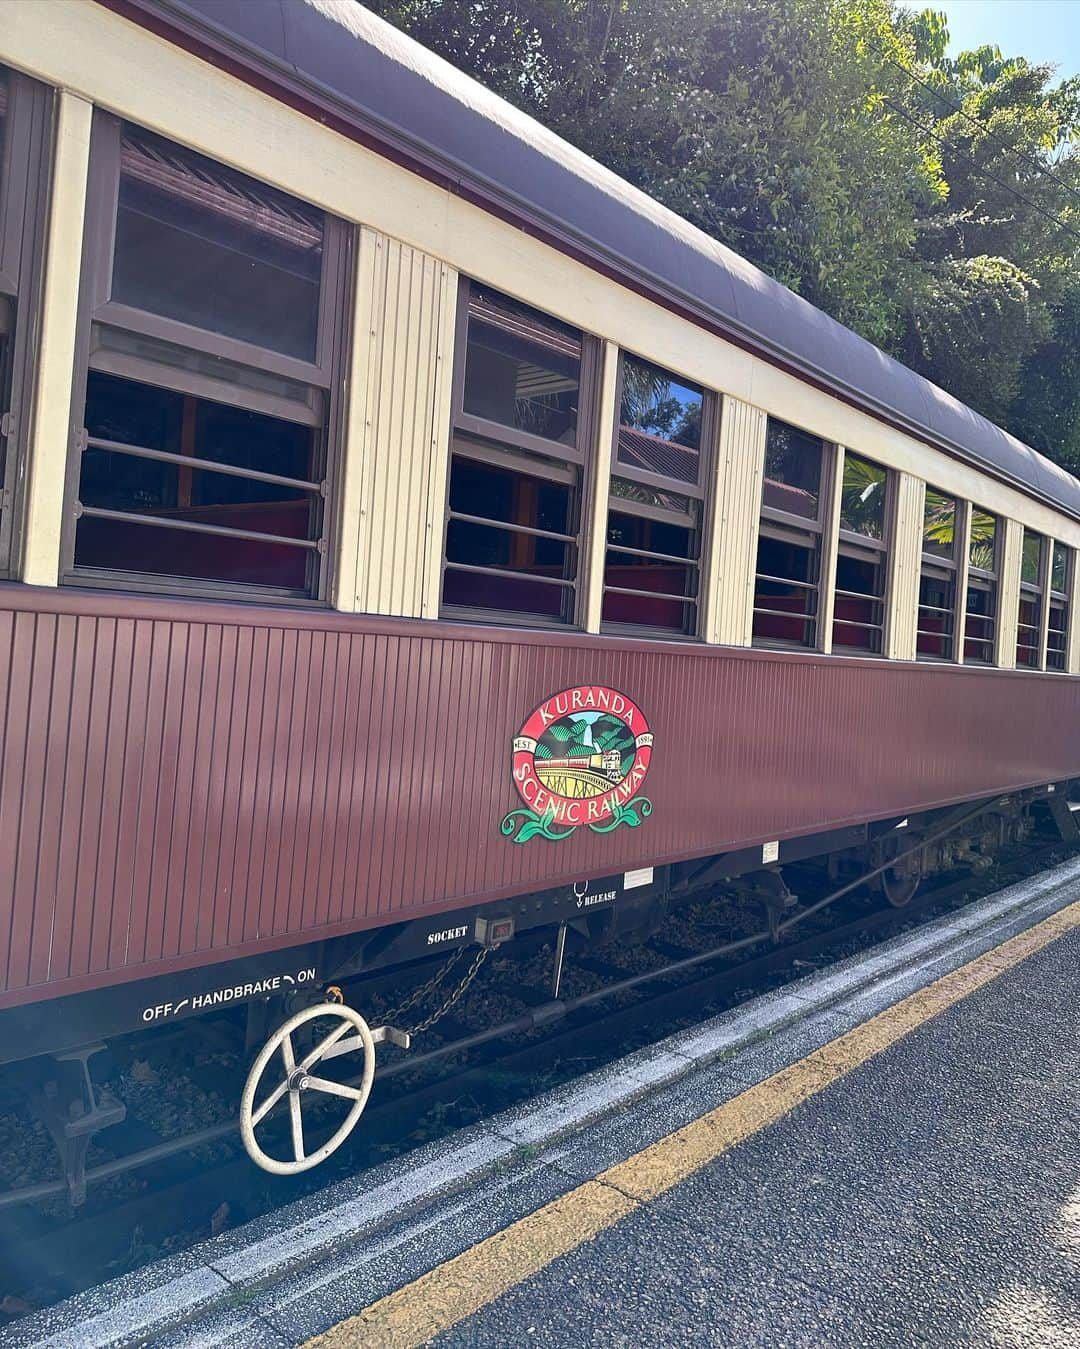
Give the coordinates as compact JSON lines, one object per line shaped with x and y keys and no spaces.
{"x":164,"y":1193}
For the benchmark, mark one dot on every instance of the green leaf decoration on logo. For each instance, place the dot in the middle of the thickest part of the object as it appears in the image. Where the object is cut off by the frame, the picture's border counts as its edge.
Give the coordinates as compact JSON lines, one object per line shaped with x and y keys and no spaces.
{"x":531,"y":825}
{"x":631,"y":813}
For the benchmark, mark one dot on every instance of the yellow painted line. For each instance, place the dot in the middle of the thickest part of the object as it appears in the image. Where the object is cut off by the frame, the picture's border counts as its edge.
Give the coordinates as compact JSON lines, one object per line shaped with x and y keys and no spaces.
{"x":461,"y":1286}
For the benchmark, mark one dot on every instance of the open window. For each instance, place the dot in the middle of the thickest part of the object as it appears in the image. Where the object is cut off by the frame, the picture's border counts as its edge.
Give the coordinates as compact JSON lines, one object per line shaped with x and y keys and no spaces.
{"x":793,"y":509}
{"x":211,"y":333}
{"x":1061,"y":583}
{"x":25,"y":113}
{"x":981,"y":609}
{"x":652,"y":567}
{"x":862,"y":558}
{"x":936,"y":627}
{"x":1035,"y":559}
{"x":522,"y":392}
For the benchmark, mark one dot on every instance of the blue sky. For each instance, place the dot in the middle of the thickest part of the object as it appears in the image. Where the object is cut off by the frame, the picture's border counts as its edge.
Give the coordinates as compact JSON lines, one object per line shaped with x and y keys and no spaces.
{"x":1041,"y":30}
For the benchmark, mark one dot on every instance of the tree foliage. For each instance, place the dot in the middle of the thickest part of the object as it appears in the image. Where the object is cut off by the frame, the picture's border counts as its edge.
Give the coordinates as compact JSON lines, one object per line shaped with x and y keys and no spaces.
{"x":929,"y":201}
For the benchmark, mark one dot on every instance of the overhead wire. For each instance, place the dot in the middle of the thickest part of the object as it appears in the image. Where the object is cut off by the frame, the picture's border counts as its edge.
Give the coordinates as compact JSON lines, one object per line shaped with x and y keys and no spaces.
{"x":982,"y":171}
{"x":959,"y":109}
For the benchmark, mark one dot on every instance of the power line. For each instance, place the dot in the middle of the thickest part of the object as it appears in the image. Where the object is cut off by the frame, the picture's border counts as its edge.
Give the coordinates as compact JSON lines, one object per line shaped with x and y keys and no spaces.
{"x":983,"y":172}
{"x":959,"y":108}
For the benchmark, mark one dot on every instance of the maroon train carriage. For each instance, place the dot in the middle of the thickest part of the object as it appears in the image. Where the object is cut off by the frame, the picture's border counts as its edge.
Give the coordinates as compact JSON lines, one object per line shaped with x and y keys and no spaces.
{"x":217,"y":790}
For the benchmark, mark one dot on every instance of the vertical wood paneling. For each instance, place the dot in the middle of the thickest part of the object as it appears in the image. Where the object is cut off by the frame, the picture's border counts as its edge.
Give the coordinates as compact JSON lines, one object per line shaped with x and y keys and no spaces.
{"x":596,"y":542}
{"x":905,"y":560}
{"x":394,"y":481}
{"x":51,"y":431}
{"x":176,"y":787}
{"x":1009,"y":594}
{"x":736,"y":507}
{"x":833,"y":460}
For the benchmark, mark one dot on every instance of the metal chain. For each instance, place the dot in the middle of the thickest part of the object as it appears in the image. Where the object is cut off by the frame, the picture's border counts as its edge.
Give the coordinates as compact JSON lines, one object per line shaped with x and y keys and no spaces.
{"x":428,"y":1022}
{"x":418,"y":993}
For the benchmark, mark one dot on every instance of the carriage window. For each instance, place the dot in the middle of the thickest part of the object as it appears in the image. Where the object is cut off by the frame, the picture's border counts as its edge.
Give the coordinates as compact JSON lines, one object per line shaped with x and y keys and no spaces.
{"x":1029,"y":624}
{"x":936,"y":628}
{"x":24,"y":116}
{"x":201,"y":244}
{"x":652,"y":564}
{"x":514,"y":497}
{"x":1061,"y":568}
{"x":862,"y":554}
{"x":980,"y":620}
{"x":788,"y":575}
{"x":211,"y":340}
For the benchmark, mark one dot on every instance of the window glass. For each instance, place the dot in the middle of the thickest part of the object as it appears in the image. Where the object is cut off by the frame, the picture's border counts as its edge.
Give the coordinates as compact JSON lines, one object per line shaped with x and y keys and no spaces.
{"x":1032,"y":558}
{"x":3,"y":127}
{"x":522,"y":369}
{"x":659,"y":422}
{"x":939,"y":524}
{"x":793,"y":462}
{"x":1060,"y":571}
{"x":859,"y":608}
{"x":141,"y":513}
{"x":524,"y":558}
{"x":862,"y":497}
{"x":980,"y":622}
{"x":937,"y":597}
{"x":982,"y":551}
{"x":202,"y":244}
{"x":785,"y":591}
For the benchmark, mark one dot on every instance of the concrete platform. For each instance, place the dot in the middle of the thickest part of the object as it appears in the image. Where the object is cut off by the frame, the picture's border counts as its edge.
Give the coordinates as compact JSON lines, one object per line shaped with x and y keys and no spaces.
{"x":930,"y":1197}
{"x":833,"y":1222}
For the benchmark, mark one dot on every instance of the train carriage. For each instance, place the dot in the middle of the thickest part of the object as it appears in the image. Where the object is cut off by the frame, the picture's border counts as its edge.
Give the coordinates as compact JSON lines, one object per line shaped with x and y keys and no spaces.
{"x":412,"y":534}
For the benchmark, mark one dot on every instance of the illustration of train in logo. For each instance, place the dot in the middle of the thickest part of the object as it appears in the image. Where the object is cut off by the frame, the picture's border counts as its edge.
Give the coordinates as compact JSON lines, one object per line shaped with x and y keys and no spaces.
{"x":581,"y":775}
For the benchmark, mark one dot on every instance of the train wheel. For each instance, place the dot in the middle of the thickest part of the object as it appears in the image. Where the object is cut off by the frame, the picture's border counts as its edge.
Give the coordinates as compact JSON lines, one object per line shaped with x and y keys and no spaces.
{"x":296,"y":1080}
{"x":900,"y":883}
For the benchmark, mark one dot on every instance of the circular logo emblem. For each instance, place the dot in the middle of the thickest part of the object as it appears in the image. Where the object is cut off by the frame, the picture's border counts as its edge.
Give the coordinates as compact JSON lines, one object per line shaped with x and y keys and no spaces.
{"x":580,"y":758}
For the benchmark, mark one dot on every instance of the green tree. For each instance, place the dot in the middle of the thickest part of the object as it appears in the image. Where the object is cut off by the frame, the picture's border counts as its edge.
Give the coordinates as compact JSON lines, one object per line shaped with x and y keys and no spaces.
{"x":928,"y":201}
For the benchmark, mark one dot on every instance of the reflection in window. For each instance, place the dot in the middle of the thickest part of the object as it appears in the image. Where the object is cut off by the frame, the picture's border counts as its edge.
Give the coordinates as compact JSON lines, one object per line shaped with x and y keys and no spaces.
{"x":936,"y":624}
{"x":861,"y":573}
{"x":144,"y":509}
{"x":510,"y":545}
{"x":202,"y":244}
{"x":513,"y":518}
{"x":522,"y":369}
{"x":651,"y":566}
{"x":1029,"y":621}
{"x":1060,"y":587}
{"x":659,"y":422}
{"x":207,"y":386}
{"x":786,"y":587}
{"x":793,"y":461}
{"x":980,"y":622}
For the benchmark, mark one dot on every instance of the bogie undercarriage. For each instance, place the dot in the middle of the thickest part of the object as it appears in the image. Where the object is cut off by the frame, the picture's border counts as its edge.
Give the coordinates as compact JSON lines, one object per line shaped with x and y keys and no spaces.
{"x":302,"y":1005}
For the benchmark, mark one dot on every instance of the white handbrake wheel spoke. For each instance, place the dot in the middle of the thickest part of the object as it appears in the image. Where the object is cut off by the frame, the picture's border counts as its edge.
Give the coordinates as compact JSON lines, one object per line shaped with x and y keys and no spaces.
{"x":333,"y":1088}
{"x":299,"y":1080}
{"x":297,"y":1122}
{"x":259,"y":1115}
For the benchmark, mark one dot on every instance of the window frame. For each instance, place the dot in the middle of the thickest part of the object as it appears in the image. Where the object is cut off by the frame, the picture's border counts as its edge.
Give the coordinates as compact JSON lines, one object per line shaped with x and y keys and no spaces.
{"x":863,"y":547}
{"x":321,"y":409}
{"x":953,"y":570}
{"x":25,"y":164}
{"x":485,"y":441}
{"x":787,"y":527}
{"x":1063,"y":599}
{"x":708,"y":444}
{"x":1033,"y":591}
{"x":988,"y":580}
